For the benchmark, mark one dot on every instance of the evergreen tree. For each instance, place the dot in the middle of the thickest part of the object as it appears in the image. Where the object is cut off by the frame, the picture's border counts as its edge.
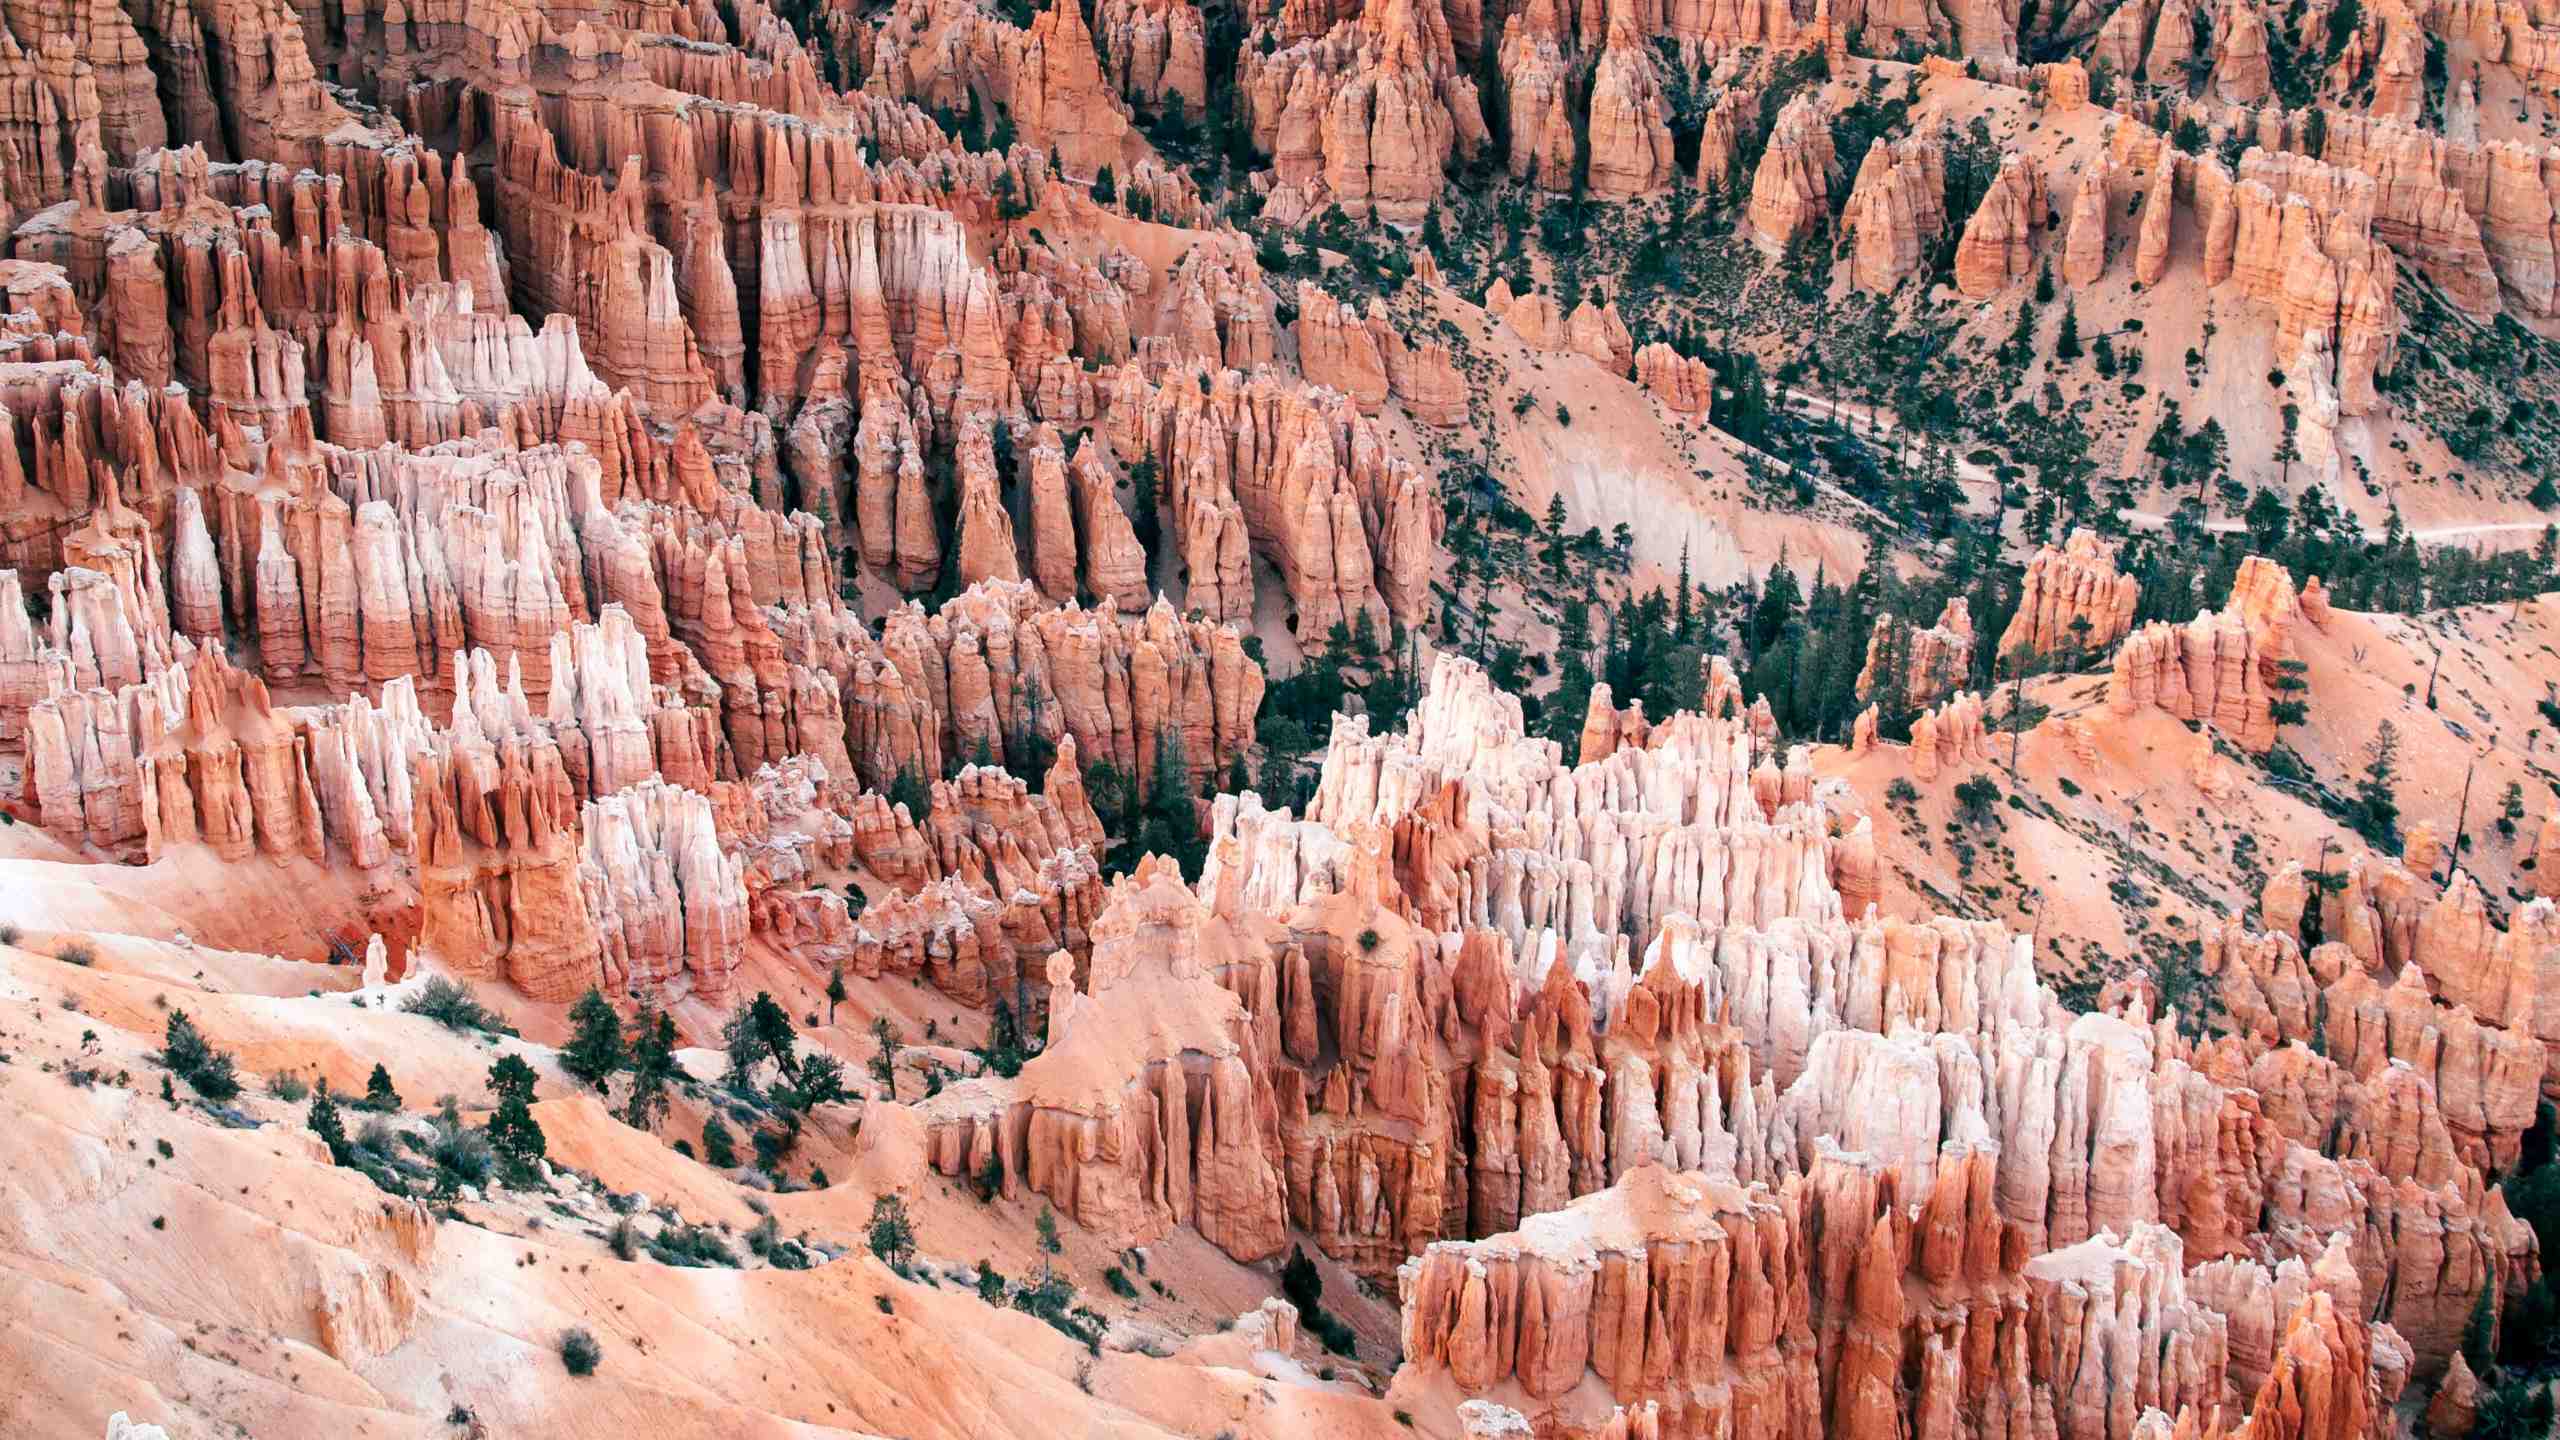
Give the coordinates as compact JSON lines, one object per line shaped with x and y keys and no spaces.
{"x":1168,"y":821}
{"x":835,"y":992}
{"x":1779,"y":599}
{"x":719,"y":1147}
{"x":892,"y":1234}
{"x":378,"y":1091}
{"x":653,"y":1046}
{"x":774,"y":1033}
{"x":821,"y":1082}
{"x":2167,"y":443}
{"x":2377,"y":804}
{"x":511,"y":1079}
{"x":907,"y":788}
{"x":324,"y":1122}
{"x":1683,"y":618}
{"x":2289,"y":708}
{"x":884,"y":1060}
{"x":1555,"y":552}
{"x":2480,"y":1334}
{"x":2066,"y":343}
{"x":1046,"y":1227}
{"x":595,"y":1052}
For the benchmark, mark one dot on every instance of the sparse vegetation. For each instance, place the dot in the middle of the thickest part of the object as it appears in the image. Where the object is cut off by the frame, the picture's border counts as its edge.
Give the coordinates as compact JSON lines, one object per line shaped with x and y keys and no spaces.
{"x":892,"y":1235}
{"x":451,"y":1004}
{"x":207,"y":1071}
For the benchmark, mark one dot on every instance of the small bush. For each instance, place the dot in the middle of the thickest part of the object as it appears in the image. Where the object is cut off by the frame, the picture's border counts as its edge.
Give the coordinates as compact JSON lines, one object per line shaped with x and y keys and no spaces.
{"x":718,"y":1150}
{"x":190,"y":1058}
{"x":625,"y":1239}
{"x":694,"y":1247}
{"x":215,"y":1080}
{"x":1368,"y":941}
{"x":9,"y":934}
{"x":453,"y":1006}
{"x":580,"y":1352}
{"x":1119,"y":1282}
{"x":1977,"y":798}
{"x":462,"y":1155}
{"x":288,"y":1087}
{"x":77,"y":953}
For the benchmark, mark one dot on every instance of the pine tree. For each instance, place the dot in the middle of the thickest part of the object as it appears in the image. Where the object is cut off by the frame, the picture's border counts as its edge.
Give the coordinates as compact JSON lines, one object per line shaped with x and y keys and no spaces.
{"x":594,"y":1053}
{"x":907,"y":788}
{"x":653,"y":1045}
{"x":1047,"y":1229}
{"x":511,"y":1078}
{"x":2377,"y":810}
{"x":516,"y":1137}
{"x":773,"y":1032}
{"x":2289,"y":708}
{"x":378,"y":1093}
{"x":835,"y":992}
{"x":892,"y":1234}
{"x":1168,"y":822}
{"x":1683,"y":618}
{"x":2167,"y":442}
{"x":884,"y":1060}
{"x":2480,"y":1335}
{"x":719,"y":1147}
{"x":2066,"y":343}
{"x":324,"y":1122}
{"x":1779,"y":599}
{"x":2288,"y":447}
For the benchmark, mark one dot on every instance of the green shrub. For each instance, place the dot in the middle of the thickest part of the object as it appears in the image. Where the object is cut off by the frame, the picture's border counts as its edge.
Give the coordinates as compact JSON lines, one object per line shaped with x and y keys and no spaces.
{"x":580,"y":1352}
{"x":719,"y":1150}
{"x":208,"y":1071}
{"x":453,"y":1006}
{"x":693,"y":1247}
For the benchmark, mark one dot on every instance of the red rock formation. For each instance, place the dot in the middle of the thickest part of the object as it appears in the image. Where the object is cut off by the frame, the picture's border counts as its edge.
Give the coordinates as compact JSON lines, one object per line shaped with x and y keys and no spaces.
{"x":2063,"y":588}
{"x":1998,"y":248}
{"x":2084,"y":244}
{"x":1300,"y":478}
{"x":1934,"y":661}
{"x":1684,"y":385}
{"x":1896,"y":211}
{"x":1374,"y":111}
{"x":1629,"y":139}
{"x":1790,"y":192}
{"x":2218,"y":668}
